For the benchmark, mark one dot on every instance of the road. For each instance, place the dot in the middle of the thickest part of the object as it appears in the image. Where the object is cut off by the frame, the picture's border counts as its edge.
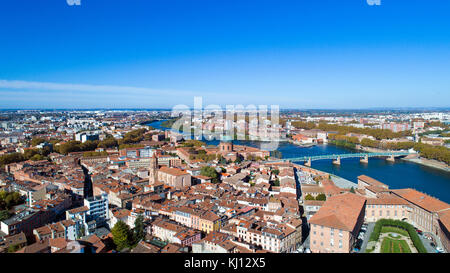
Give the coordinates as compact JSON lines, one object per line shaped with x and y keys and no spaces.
{"x":366,"y":238}
{"x":427,"y":243}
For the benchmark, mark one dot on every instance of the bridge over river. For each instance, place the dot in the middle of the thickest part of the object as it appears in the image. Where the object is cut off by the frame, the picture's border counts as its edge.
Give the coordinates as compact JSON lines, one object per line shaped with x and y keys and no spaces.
{"x":337,"y":157}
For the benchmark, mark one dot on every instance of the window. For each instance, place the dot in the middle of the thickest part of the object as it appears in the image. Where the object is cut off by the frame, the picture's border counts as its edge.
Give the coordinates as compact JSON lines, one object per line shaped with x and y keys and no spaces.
{"x":331,"y":242}
{"x":340,"y":243}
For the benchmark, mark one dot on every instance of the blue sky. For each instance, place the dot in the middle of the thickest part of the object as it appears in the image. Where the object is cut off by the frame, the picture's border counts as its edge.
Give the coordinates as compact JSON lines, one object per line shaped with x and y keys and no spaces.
{"x":158,"y":53}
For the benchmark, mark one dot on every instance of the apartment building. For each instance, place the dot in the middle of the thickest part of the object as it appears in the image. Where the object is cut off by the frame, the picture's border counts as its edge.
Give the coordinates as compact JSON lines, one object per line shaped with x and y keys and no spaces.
{"x":31,"y":190}
{"x":335,"y":227}
{"x":277,"y":238}
{"x":214,"y":242}
{"x":172,"y":232}
{"x":64,"y":229}
{"x":444,"y":229}
{"x":387,"y":206}
{"x":24,"y":221}
{"x":424,"y":213}
{"x":97,"y":208}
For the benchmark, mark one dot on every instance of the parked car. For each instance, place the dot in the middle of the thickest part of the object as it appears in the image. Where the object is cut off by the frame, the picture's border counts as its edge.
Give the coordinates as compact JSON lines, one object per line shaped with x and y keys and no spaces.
{"x":432,"y":244}
{"x":439,"y":250}
{"x":307,"y":250}
{"x":419,"y":231}
{"x":358,"y":244}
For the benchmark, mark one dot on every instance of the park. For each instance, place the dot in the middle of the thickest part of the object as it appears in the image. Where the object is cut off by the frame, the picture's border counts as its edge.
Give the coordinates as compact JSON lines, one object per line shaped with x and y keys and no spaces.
{"x":394,"y":236}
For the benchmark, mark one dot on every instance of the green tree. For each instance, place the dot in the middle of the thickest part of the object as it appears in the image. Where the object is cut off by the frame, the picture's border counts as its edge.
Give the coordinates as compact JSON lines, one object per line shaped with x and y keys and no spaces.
{"x":321,"y":197}
{"x":309,"y":197}
{"x":134,"y":136}
{"x":121,"y":235}
{"x":276,"y":183}
{"x":36,"y":141}
{"x":221,"y":160}
{"x":238,"y":159}
{"x":138,"y":230}
{"x":9,"y":199}
{"x":210,"y":172}
{"x":37,"y":157}
{"x":13,"y":248}
{"x":108,"y":142}
{"x":81,"y":232}
{"x":352,"y":190}
{"x":4,"y":214}
{"x":11,"y":158}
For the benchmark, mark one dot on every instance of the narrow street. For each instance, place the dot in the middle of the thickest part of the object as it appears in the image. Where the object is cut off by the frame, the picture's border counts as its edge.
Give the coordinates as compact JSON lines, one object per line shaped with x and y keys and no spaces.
{"x":366,"y":238}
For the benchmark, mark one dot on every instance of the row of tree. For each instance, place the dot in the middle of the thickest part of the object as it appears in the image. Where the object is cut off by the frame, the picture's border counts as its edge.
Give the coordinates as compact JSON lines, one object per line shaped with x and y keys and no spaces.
{"x":29,"y":154}
{"x":343,"y":130}
{"x":319,"y":197}
{"x":439,"y":153}
{"x":428,"y":151}
{"x":9,"y":199}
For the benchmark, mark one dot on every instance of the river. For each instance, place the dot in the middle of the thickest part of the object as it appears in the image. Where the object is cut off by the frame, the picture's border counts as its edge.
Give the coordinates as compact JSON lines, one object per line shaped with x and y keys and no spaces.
{"x":401,"y":174}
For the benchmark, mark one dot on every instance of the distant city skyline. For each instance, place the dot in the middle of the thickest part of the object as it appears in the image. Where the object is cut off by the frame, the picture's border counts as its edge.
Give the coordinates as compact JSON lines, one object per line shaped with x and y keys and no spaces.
{"x":156,"y":54}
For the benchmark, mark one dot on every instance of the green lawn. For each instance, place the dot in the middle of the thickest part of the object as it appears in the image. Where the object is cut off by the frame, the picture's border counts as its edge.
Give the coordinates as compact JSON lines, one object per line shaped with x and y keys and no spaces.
{"x":394,"y":246}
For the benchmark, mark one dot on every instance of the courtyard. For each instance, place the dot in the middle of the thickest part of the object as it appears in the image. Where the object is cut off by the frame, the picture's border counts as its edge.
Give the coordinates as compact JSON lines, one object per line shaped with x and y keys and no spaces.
{"x":392,"y":236}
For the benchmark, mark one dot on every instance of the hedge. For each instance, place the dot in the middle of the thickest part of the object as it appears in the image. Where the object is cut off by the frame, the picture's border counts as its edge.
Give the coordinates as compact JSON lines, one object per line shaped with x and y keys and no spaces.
{"x":399,"y":224}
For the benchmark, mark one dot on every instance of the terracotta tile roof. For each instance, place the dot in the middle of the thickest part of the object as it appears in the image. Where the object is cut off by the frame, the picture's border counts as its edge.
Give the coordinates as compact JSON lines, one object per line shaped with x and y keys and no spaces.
{"x":444,"y":218}
{"x":79,"y":209}
{"x":41,"y":246}
{"x":144,"y":247}
{"x":387,"y":199}
{"x":371,"y":181}
{"x":340,"y":211}
{"x":172,"y":171}
{"x":421,"y":199}
{"x":376,"y":189}
{"x":58,"y":243}
{"x":171,"y":248}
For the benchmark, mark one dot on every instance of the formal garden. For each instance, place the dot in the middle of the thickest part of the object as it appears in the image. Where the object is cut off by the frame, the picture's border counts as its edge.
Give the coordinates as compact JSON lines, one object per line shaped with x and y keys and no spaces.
{"x":394,"y":236}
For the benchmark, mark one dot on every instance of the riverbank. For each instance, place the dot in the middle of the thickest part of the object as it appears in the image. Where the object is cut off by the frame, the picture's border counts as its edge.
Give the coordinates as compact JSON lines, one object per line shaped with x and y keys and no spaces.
{"x":429,"y":163}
